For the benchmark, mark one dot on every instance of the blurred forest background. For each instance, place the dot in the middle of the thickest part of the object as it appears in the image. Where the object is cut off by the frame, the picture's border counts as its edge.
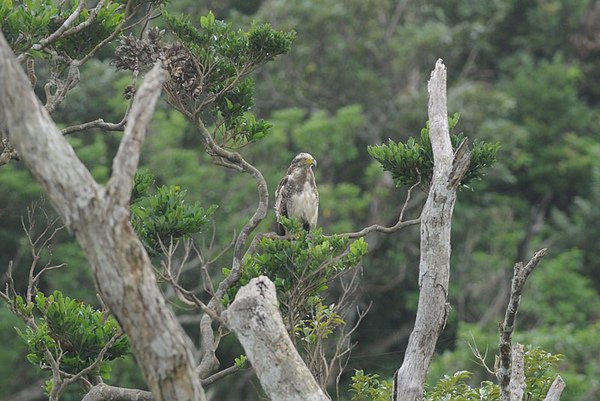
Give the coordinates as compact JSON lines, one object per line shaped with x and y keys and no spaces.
{"x":524,"y":73}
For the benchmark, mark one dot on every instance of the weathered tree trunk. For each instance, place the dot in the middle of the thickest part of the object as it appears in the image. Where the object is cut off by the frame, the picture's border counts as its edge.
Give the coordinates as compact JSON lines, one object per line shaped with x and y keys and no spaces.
{"x":434,"y":266}
{"x":99,"y":217}
{"x":255,"y":319}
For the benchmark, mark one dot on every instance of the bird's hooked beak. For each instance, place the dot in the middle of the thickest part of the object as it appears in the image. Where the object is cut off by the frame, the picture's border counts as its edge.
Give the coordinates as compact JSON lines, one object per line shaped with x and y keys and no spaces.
{"x":311,"y":162}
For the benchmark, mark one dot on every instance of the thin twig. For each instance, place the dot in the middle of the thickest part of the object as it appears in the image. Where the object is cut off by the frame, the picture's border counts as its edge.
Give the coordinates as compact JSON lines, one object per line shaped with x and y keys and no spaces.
{"x":219,"y":375}
{"x":61,"y":30}
{"x":398,"y":226}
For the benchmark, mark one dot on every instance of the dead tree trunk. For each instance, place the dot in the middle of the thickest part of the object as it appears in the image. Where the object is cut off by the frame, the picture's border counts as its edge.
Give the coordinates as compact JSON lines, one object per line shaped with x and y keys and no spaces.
{"x":434,"y":266}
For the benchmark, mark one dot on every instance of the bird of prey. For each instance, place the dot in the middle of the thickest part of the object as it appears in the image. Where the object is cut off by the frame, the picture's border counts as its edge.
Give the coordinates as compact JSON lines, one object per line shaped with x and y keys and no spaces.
{"x":297,"y":195}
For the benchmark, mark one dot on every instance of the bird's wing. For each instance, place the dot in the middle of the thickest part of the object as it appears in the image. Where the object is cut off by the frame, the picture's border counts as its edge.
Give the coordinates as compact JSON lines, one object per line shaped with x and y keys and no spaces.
{"x":280,"y":194}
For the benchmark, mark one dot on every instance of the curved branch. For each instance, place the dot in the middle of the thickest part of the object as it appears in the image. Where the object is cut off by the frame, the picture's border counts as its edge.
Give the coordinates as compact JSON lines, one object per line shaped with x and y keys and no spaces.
{"x":220,"y":374}
{"x":382,"y":229}
{"x":98,"y":123}
{"x":398,"y":226}
{"x":209,"y":362}
{"x":259,"y":214}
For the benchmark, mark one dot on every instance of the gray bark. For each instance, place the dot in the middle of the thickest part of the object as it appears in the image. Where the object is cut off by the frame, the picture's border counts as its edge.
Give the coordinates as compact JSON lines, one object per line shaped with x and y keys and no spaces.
{"x":99,"y":217}
{"x":254,"y":318}
{"x":556,"y":389}
{"x":104,"y":392}
{"x":517,"y":376}
{"x":434,"y":265}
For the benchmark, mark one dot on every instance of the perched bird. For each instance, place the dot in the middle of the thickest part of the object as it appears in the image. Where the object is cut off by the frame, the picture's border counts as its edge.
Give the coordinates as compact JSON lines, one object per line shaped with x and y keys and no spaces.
{"x":297,"y":195}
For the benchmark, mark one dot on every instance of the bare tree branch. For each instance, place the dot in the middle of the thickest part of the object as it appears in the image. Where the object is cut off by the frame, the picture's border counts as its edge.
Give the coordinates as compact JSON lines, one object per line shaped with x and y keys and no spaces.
{"x":98,"y":123}
{"x":507,"y":327}
{"x":208,"y":359}
{"x":398,"y":226}
{"x":61,"y":30}
{"x":220,"y":374}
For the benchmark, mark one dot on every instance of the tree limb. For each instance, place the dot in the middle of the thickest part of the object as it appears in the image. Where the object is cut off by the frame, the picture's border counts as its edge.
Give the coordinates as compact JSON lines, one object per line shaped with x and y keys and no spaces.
{"x":398,"y":226}
{"x":125,"y":163}
{"x":208,"y":359}
{"x":61,"y":30}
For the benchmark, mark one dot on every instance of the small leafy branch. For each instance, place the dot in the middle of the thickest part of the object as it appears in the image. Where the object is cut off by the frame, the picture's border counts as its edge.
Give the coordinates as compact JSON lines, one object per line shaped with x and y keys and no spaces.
{"x":369,"y":387}
{"x":412,"y":162}
{"x":68,"y":28}
{"x":165,"y":216}
{"x":72,"y":332}
{"x":540,"y":371}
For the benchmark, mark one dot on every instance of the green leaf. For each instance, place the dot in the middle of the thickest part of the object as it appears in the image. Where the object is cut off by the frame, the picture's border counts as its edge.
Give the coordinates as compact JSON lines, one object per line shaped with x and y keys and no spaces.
{"x":208,"y":21}
{"x":240,"y":361}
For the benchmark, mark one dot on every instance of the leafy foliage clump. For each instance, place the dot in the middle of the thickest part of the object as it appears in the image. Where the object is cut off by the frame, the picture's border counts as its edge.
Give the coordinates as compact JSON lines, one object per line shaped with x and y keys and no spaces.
{"x":540,"y":369}
{"x":25,"y":23}
{"x":73,"y":333}
{"x":412,"y":163}
{"x":164,"y":216}
{"x":300,"y":267}
{"x":208,"y":68}
{"x":539,"y":375}
{"x":455,"y":387}
{"x":321,"y":323}
{"x":369,"y":387}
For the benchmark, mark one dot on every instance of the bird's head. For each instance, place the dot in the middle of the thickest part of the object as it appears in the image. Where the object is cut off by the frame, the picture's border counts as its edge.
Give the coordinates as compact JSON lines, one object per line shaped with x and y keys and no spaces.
{"x":304,"y":159}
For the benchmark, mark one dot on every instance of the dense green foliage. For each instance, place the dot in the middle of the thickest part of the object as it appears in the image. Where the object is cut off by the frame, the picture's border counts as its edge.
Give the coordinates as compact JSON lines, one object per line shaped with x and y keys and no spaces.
{"x":412,"y":163}
{"x":162,"y":218}
{"x":73,"y":332}
{"x":25,"y":23}
{"x":366,"y":387}
{"x":523,"y":74}
{"x":540,"y":371}
{"x":301,"y":268}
